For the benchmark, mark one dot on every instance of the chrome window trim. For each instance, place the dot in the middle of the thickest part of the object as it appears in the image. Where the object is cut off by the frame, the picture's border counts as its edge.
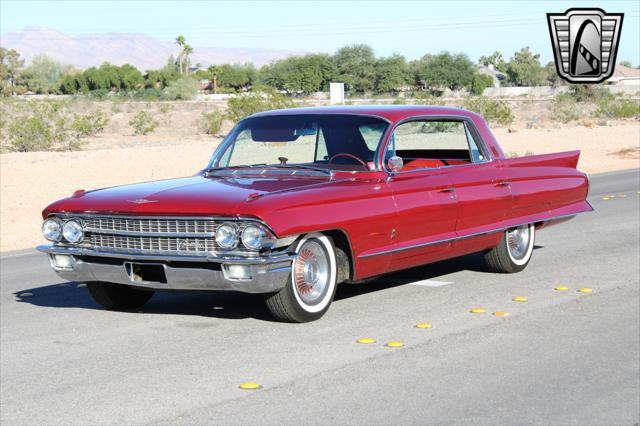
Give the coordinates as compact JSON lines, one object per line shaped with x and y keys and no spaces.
{"x":464,"y":237}
{"x":465,"y":120}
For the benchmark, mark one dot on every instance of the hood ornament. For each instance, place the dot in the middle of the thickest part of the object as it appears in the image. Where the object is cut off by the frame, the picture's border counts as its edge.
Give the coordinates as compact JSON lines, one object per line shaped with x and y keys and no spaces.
{"x":142,"y":201}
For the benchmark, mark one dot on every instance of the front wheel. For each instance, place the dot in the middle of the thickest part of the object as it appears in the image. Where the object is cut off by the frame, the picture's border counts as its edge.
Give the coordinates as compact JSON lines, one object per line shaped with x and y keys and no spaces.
{"x":311,"y":285}
{"x":118,"y":296}
{"x":514,"y":251}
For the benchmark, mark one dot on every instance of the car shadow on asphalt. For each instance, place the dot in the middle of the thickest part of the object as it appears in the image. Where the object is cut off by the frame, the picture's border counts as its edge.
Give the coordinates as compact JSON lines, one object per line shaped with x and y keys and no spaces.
{"x":221,"y":304}
{"x":233,"y":305}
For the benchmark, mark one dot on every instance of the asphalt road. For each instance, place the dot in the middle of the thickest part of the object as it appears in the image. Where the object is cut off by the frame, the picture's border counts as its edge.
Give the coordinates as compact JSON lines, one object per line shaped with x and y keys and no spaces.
{"x":559,"y":358}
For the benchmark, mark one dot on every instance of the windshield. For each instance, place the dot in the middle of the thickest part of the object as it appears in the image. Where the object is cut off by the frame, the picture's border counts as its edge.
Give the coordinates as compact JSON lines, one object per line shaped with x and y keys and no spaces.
{"x":331,"y":142}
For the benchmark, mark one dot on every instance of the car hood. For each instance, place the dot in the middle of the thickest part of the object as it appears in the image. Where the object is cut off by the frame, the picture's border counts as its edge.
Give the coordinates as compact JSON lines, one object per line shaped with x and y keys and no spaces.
{"x":195,"y":195}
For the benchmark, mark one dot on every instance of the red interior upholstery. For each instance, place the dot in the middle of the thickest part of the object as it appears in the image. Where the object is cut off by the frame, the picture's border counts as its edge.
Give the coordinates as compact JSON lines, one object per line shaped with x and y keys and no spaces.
{"x":422,"y":163}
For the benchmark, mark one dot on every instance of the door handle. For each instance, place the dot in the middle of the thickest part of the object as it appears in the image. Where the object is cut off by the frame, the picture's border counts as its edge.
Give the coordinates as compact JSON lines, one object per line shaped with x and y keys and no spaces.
{"x":448,"y":190}
{"x":503,"y":183}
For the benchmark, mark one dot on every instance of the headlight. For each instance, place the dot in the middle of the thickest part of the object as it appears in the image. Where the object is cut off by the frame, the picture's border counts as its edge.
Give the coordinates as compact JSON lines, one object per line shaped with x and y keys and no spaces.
{"x":52,"y":229}
{"x":72,"y":231}
{"x":227,"y":236}
{"x":252,"y":237}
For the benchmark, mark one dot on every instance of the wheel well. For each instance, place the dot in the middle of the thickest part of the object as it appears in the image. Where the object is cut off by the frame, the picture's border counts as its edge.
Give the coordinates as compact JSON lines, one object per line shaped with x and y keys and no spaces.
{"x":346,"y":267}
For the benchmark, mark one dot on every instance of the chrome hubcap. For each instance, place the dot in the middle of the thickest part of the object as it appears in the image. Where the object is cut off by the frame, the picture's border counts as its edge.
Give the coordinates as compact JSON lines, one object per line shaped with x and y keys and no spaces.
{"x":518,"y":241}
{"x":311,"y":272}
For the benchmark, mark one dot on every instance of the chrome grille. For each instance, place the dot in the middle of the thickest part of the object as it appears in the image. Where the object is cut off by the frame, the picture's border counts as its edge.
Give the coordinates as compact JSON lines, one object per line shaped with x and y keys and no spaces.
{"x":175,"y":236}
{"x":150,"y":226}
{"x":152,"y":244}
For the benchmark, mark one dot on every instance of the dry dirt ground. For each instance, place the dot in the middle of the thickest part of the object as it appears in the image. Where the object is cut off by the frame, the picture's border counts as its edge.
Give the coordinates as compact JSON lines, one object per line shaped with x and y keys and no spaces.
{"x":30,"y":181}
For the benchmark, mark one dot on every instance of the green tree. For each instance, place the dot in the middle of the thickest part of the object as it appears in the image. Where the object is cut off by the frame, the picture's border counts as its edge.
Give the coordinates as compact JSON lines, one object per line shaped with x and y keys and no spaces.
{"x":159,"y":79}
{"x":524,"y":69}
{"x":306,"y":74}
{"x":130,"y":77}
{"x":480,"y":82}
{"x":44,"y":75}
{"x":551,"y":74}
{"x":237,"y":77}
{"x":444,"y":70}
{"x":392,"y":73}
{"x":626,"y":64}
{"x":494,"y":59}
{"x":356,"y":67}
{"x":10,"y":66}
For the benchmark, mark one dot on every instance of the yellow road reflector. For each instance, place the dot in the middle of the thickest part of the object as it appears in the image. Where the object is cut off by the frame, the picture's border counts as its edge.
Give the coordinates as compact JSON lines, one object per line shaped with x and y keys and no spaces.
{"x":424,"y":325}
{"x":395,"y":344}
{"x":478,"y":311}
{"x":366,"y":340}
{"x":501,"y":313}
{"x":561,"y":288}
{"x":605,"y":198}
{"x":25,"y":295}
{"x":249,"y":385}
{"x":585,"y":290}
{"x":519,"y":299}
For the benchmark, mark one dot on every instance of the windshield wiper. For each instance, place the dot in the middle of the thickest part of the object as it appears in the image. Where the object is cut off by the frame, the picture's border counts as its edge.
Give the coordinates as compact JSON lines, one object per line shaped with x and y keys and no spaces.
{"x":299,"y":166}
{"x":209,"y":170}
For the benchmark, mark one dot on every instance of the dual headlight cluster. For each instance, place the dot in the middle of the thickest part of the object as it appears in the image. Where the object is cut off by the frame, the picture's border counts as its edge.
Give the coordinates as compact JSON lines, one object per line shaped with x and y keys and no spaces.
{"x":56,"y":230}
{"x":229,"y":235}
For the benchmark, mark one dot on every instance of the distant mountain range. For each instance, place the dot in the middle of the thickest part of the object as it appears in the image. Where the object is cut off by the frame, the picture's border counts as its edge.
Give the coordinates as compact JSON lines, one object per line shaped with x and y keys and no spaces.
{"x":140,"y":50}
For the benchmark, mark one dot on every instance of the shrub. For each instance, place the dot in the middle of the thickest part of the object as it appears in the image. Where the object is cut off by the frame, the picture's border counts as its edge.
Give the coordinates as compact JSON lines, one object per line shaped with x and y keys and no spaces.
{"x":143,"y":123}
{"x":494,"y":111}
{"x":399,"y":101}
{"x":212,"y":121}
{"x":588,"y":93}
{"x":246,"y":104}
{"x":565,"y":108}
{"x":480,"y":82}
{"x":30,"y":134}
{"x":618,"y":108}
{"x":89,"y":124}
{"x":184,"y":88}
{"x":164,"y":108}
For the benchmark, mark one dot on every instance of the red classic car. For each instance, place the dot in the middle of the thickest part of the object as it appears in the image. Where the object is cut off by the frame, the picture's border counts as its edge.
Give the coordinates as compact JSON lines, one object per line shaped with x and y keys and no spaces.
{"x":294,"y":202}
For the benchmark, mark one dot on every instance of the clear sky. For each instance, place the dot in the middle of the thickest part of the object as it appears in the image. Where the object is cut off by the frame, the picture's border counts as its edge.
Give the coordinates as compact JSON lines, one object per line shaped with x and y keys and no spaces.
{"x":411,"y":28}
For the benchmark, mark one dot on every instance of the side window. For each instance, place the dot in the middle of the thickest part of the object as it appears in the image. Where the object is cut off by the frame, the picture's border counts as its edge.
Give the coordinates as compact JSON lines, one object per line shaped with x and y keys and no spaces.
{"x":372,"y":133}
{"x":477,"y":154}
{"x":321,"y":148}
{"x":434,"y":143}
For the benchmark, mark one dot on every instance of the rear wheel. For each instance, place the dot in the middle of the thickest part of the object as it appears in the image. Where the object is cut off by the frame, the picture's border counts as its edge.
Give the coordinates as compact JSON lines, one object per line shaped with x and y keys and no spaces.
{"x":514,"y":251}
{"x":311,"y":285}
{"x":118,"y":296}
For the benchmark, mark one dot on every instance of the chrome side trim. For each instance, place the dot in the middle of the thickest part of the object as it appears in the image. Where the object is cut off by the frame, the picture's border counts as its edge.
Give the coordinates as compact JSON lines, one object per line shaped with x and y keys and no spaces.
{"x":463,"y":237}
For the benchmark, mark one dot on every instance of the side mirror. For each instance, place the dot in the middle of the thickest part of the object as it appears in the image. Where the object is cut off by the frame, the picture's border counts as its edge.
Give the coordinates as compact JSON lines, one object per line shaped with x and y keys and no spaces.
{"x":395,"y":163}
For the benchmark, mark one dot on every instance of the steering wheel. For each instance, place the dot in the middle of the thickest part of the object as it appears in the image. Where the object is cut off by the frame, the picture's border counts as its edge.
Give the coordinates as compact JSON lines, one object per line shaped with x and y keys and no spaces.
{"x":346,"y":154}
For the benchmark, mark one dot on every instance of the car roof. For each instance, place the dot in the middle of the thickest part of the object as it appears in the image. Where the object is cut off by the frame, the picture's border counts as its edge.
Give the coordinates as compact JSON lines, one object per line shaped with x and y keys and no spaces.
{"x":392,"y":113}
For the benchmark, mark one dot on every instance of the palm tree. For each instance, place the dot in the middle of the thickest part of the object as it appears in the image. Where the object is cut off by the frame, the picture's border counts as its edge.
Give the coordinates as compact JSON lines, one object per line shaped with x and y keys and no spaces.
{"x":215,"y":71}
{"x":181,"y":42}
{"x":186,"y":51}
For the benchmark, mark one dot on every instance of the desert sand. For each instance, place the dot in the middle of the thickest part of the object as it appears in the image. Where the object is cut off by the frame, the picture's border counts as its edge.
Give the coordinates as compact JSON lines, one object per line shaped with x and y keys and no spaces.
{"x":30,"y":181}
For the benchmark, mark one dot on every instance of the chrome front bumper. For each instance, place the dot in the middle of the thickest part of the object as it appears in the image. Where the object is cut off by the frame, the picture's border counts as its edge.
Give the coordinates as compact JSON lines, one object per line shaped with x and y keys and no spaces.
{"x":262,"y":274}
